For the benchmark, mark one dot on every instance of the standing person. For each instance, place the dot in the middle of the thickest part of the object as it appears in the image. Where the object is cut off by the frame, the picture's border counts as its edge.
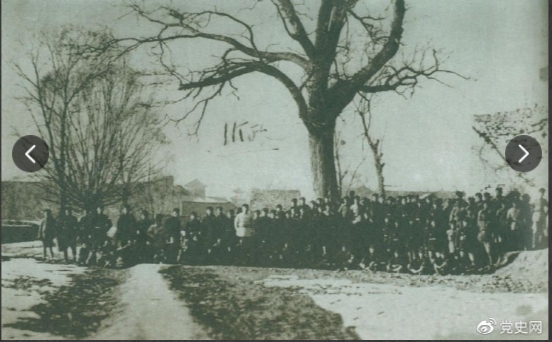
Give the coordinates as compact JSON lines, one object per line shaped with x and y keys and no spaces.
{"x":514,"y":221}
{"x":261,"y":227}
{"x":67,"y":234}
{"x":316,"y":233}
{"x":220,"y":224}
{"x":243,"y":223}
{"x":191,"y":236}
{"x":85,"y":227}
{"x":358,"y":242}
{"x":417,"y":236}
{"x":345,"y":223}
{"x":230,"y":233}
{"x":306,"y":231}
{"x":303,"y":204}
{"x":100,"y":226}
{"x":294,"y":208}
{"x":277,"y":230}
{"x":452,"y":233}
{"x":466,"y":259}
{"x":479,"y":201}
{"x":209,"y":235}
{"x":345,"y":210}
{"x":313,"y":207}
{"x":376,"y":211}
{"x":85,"y":237}
{"x":124,"y":237}
{"x":290,"y":230}
{"x":141,"y":236}
{"x":280,"y":214}
{"x":438,"y":213}
{"x":501,"y":223}
{"x":386,"y":232}
{"x":157,"y":239}
{"x":540,"y":214}
{"x":126,"y":225}
{"x":484,"y":236}
{"x":172,"y":231}
{"x":320,"y":202}
{"x":459,"y":207}
{"x":351,"y":196}
{"x":495,"y":205}
{"x":47,"y":232}
{"x":527,"y":221}
{"x":327,"y":233}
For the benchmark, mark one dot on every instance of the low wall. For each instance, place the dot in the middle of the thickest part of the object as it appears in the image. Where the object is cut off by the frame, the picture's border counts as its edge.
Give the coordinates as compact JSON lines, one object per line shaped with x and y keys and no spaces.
{"x":19,"y":233}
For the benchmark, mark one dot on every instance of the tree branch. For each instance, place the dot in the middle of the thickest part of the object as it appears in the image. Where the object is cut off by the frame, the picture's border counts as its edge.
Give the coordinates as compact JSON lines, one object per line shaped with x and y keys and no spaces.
{"x":187,"y":21}
{"x":293,"y":25}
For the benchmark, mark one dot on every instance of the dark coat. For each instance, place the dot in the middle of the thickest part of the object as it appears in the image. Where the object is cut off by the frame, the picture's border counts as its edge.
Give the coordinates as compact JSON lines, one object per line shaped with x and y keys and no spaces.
{"x":47,"y":230}
{"x":126,"y":226}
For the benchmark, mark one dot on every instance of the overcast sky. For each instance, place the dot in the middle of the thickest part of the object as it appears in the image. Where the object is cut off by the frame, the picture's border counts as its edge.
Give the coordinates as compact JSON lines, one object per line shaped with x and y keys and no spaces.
{"x":428,"y":140}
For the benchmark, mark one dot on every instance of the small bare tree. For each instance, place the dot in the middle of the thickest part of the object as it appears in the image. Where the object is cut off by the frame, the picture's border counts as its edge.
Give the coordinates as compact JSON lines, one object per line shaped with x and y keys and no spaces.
{"x":364,"y":110}
{"x":348,"y":176}
{"x":89,"y":109}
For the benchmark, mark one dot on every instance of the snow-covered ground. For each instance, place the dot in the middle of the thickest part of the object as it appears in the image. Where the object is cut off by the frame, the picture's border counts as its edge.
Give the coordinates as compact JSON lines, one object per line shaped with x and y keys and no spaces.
{"x":397,"y":312}
{"x":374,"y":305}
{"x":24,"y":284}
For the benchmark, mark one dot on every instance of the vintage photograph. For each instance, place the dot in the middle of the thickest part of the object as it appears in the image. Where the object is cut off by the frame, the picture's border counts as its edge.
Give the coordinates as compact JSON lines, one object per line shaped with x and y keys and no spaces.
{"x":275,"y":169}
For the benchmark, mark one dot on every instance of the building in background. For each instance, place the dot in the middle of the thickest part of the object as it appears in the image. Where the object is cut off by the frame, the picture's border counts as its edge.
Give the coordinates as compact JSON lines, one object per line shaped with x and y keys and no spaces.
{"x":21,"y":199}
{"x":195,"y":200}
{"x":261,"y":198}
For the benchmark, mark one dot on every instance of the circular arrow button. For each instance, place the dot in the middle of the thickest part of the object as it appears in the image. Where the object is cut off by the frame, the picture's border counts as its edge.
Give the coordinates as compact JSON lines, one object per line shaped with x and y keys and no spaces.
{"x":30,"y":153}
{"x":523,"y":153}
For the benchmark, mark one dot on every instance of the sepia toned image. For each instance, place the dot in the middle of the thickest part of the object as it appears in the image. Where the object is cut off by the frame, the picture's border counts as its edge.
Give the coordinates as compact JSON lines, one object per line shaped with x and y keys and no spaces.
{"x":275,"y":169}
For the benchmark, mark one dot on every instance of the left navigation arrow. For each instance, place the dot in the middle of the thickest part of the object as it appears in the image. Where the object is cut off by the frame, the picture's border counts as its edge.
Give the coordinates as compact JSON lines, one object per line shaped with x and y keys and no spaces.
{"x":22,"y":157}
{"x":29,"y":151}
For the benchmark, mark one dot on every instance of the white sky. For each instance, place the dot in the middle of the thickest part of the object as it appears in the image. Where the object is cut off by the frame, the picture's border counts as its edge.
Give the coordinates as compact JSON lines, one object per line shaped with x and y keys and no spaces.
{"x":500,"y":44}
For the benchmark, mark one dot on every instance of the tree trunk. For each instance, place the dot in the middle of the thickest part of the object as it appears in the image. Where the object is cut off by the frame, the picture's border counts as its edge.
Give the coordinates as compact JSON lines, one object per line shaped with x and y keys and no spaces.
{"x":374,"y":146}
{"x":323,"y":163}
{"x":381,"y":182}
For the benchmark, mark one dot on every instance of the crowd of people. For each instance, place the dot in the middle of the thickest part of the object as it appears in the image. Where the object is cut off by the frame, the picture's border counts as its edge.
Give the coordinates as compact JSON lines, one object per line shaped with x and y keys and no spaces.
{"x":404,"y":234}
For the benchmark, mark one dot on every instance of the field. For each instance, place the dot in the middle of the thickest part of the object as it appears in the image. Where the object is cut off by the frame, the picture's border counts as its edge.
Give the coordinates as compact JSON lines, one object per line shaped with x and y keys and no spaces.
{"x":57,"y":301}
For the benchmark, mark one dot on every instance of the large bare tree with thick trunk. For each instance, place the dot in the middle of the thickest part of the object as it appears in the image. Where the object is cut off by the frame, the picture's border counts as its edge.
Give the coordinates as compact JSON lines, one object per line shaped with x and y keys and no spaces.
{"x":343,"y":49}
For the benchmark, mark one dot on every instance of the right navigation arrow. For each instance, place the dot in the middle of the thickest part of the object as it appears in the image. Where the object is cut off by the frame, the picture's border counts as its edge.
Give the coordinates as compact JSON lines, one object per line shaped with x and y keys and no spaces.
{"x":526,"y":153}
{"x":523,"y":153}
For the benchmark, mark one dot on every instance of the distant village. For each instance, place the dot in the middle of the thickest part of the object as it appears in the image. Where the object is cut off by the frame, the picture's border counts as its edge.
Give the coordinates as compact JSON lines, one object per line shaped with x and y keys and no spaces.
{"x":21,"y":200}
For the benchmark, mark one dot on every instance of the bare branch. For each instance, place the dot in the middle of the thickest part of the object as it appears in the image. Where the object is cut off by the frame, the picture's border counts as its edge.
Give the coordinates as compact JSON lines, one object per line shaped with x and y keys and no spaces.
{"x":407,"y":76}
{"x":293,"y":25}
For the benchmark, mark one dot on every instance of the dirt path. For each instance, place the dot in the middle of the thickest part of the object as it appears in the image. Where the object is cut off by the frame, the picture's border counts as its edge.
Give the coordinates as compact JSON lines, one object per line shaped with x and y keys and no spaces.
{"x":150,"y":310}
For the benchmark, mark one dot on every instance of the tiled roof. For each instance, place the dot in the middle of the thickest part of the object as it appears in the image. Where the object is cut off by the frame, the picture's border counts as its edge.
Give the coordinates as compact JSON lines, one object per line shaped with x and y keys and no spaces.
{"x":192,"y":199}
{"x":194,"y":183}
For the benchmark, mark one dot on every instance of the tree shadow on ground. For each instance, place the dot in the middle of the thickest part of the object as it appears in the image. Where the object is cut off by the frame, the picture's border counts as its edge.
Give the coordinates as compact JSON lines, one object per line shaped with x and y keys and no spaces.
{"x":75,"y":310}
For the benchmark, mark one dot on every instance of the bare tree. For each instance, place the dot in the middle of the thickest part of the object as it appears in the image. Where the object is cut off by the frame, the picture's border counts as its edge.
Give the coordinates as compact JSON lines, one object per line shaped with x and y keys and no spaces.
{"x":347,"y":175}
{"x":100,"y":131}
{"x":336,"y":65}
{"x":364,"y":110}
{"x":341,"y":174}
